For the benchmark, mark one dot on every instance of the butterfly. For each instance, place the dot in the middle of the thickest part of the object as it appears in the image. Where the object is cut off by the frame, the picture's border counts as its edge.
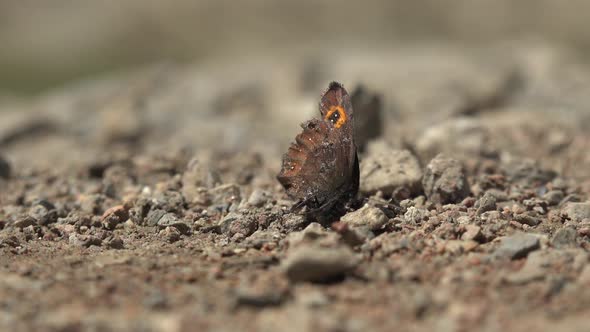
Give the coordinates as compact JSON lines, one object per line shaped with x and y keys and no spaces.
{"x":321,"y":169}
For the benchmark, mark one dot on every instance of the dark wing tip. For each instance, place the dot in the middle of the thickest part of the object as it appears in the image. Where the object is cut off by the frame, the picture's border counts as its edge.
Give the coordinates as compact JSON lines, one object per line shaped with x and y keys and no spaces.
{"x":335,"y":85}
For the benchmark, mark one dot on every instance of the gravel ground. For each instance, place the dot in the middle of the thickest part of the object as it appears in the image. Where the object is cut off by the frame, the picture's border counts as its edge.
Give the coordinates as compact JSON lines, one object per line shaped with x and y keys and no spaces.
{"x":148,"y":201}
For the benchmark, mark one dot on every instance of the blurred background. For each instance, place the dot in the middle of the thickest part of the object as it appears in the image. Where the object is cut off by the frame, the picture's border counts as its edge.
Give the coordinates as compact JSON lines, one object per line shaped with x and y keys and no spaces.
{"x":82,"y":81}
{"x":48,"y":43}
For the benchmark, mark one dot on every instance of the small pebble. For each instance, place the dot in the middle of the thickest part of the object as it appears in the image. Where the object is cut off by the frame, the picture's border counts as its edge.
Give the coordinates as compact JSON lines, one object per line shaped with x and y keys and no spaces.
{"x":444,"y":181}
{"x":316,"y":264}
{"x":367,"y":216}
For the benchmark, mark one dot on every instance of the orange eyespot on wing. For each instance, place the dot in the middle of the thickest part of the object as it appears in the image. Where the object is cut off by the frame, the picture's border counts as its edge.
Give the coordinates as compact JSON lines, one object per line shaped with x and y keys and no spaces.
{"x":336,"y":115}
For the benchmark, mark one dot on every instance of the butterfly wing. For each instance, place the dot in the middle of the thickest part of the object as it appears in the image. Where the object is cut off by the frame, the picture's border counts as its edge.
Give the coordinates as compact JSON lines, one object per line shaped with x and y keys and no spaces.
{"x":320,"y":166}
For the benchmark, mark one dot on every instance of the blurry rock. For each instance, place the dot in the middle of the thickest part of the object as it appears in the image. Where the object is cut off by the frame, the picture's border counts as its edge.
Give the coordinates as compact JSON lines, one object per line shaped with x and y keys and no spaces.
{"x":459,"y":246}
{"x":9,"y":241}
{"x":170,"y":220}
{"x":225,"y":194}
{"x":196,"y":179}
{"x":314,"y":231}
{"x":532,"y":270}
{"x":415,"y":215}
{"x":367,"y":116}
{"x":540,"y":264}
{"x":120,"y":118}
{"x":114,"y":216}
{"x":153,"y":217}
{"x":238,"y":223}
{"x":316,"y":264}
{"x":527,"y":219}
{"x":518,"y":245}
{"x":91,"y":204}
{"x":444,"y":181}
{"x":25,"y":222}
{"x":250,"y":164}
{"x":472,"y":232}
{"x":264,"y":291}
{"x":258,"y":198}
{"x":168,"y":200}
{"x":486,"y":203}
{"x":385,"y":169}
{"x":44,"y":211}
{"x":311,"y":299}
{"x":170,"y":234}
{"x":114,"y":242}
{"x":584,"y":277}
{"x":117,"y":179}
{"x":140,"y":210}
{"x":32,"y":232}
{"x":577,"y":211}
{"x":367,"y":216}
{"x":352,"y":235}
{"x":464,"y":137}
{"x":5,"y":168}
{"x":84,"y":241}
{"x":294,"y":222}
{"x":261,"y":238}
{"x":553,"y":197}
{"x":565,"y":237}
{"x":527,"y":173}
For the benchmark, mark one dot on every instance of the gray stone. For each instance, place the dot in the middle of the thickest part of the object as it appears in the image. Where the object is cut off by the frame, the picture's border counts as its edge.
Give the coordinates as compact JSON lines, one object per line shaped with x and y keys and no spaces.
{"x":368,"y":118}
{"x":415,"y":216}
{"x":154,"y":216}
{"x":44,"y":211}
{"x":9,"y":241}
{"x":532,"y":270}
{"x":444,"y":181}
{"x":260,"y":238}
{"x":367,"y":216}
{"x":577,"y":211}
{"x":294,"y":222}
{"x":527,"y":173}
{"x":238,"y":223}
{"x":472,"y":232}
{"x":464,"y":137}
{"x":115,"y":242}
{"x":170,"y":220}
{"x":225,"y":194}
{"x":25,"y":222}
{"x":385,"y":169}
{"x":114,"y":216}
{"x":5,"y":168}
{"x":314,"y":233}
{"x":527,"y":219}
{"x":316,"y":264}
{"x":565,"y":237}
{"x":459,"y":246}
{"x":553,"y":197}
{"x":486,"y":203}
{"x":84,"y":241}
{"x":518,"y":245}
{"x":258,"y":198}
{"x":170,"y":234}
{"x":197,"y":178}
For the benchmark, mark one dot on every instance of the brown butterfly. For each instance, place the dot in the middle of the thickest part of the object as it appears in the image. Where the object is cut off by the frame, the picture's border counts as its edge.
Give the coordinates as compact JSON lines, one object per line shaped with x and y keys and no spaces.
{"x":321,"y":168}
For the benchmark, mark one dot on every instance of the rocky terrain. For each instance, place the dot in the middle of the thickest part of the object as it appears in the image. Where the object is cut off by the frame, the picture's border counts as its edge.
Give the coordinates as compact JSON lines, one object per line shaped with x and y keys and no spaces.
{"x":148,"y":201}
